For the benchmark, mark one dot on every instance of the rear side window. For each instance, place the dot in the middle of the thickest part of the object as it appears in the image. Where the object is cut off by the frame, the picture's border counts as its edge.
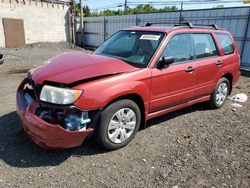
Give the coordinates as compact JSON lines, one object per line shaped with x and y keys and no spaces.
{"x":204,"y":45}
{"x":226,"y":43}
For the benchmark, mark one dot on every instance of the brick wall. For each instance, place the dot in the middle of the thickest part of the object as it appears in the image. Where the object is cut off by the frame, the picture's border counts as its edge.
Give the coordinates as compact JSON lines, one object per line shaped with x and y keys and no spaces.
{"x":43,"y":22}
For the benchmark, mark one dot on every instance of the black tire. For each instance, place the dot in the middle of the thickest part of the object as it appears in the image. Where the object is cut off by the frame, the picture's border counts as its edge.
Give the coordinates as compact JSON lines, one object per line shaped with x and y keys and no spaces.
{"x":1,"y":59}
{"x":213,"y":103}
{"x":101,"y":130}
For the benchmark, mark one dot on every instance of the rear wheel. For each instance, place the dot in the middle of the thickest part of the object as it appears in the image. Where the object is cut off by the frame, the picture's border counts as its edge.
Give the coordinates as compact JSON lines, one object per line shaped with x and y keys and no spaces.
{"x":220,"y":93}
{"x":118,"y":124}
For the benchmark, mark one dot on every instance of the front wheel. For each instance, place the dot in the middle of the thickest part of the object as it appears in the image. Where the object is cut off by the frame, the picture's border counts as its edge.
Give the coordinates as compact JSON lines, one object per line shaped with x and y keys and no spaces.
{"x":118,"y":124}
{"x":220,"y":93}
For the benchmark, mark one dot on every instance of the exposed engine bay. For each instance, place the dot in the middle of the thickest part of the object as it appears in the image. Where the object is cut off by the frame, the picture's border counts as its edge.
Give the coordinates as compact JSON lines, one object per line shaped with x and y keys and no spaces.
{"x":69,"y":117}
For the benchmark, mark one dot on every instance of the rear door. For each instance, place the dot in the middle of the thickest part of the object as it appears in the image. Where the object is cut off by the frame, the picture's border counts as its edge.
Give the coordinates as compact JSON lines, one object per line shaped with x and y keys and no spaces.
{"x":208,"y":63}
{"x":227,"y":44}
{"x":174,"y":84}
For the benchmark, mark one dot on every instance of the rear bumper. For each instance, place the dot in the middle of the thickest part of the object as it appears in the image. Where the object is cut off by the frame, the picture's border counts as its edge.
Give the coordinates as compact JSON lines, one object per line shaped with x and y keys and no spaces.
{"x":44,"y":134}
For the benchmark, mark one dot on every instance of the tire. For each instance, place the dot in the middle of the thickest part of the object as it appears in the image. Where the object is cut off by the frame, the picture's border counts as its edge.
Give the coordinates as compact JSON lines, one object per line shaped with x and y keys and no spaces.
{"x":219,"y":95}
{"x":126,"y":119}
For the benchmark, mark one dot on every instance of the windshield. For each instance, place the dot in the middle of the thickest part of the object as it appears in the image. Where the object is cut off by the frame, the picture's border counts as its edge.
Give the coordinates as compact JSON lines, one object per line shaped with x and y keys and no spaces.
{"x":134,"y":47}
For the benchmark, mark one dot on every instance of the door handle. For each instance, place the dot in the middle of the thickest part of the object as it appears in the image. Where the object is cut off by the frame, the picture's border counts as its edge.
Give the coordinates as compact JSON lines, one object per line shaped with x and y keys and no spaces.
{"x":190,"y":69}
{"x":219,"y":62}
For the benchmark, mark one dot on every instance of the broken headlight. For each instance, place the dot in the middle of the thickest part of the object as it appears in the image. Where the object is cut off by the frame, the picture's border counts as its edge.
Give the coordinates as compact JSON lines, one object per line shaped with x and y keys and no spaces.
{"x":58,"y":95}
{"x":70,"y":119}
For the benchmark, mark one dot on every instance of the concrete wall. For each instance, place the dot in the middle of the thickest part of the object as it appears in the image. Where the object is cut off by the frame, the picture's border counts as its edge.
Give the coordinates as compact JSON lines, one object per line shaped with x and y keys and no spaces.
{"x":43,"y":22}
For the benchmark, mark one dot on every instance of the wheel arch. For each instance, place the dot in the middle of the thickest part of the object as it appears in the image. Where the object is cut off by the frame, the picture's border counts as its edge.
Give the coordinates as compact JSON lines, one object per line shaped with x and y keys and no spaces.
{"x":229,"y":76}
{"x":138,"y":100}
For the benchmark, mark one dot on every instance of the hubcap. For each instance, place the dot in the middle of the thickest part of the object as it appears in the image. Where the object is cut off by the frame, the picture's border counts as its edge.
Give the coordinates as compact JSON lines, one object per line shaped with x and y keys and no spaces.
{"x":221,"y":93}
{"x":121,"y":125}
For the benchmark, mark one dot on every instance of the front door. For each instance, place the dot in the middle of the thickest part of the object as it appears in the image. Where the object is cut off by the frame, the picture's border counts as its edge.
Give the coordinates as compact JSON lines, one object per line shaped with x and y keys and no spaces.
{"x":174,"y":84}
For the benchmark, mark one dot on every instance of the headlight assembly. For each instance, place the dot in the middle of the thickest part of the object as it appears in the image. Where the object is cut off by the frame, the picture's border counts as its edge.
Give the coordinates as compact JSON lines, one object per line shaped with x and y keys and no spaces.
{"x":58,"y":95}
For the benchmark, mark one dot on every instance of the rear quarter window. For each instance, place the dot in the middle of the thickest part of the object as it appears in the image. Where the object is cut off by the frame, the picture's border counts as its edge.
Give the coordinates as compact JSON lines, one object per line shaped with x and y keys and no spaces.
{"x":226,"y":43}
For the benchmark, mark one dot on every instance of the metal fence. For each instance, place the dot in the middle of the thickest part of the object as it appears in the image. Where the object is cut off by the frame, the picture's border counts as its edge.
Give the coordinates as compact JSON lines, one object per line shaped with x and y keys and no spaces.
{"x":236,"y":20}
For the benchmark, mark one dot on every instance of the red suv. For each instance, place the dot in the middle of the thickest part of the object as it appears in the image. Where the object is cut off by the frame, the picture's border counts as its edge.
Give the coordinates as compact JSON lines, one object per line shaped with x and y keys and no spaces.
{"x":137,"y":74}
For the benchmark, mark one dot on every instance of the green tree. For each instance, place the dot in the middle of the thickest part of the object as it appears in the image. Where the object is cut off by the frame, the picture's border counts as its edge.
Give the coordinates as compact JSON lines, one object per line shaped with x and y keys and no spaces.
{"x":136,"y":10}
{"x":142,"y":9}
{"x":108,"y":12}
{"x":168,"y":9}
{"x":85,"y":9}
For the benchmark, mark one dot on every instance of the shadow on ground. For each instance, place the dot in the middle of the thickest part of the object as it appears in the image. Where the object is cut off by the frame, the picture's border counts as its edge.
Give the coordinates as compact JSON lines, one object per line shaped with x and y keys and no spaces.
{"x":175,"y":114}
{"x":17,"y":150}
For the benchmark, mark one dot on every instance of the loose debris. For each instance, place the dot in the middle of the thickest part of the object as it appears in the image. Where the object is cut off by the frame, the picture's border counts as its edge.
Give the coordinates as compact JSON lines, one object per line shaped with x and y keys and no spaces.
{"x":237,"y":99}
{"x":236,"y":105}
{"x":240,"y":97}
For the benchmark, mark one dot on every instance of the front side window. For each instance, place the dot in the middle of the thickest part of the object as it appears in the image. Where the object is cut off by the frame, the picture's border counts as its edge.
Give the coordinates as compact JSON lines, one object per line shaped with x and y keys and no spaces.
{"x":204,"y":45}
{"x":134,"y":47}
{"x":226,"y":43}
{"x":180,"y":47}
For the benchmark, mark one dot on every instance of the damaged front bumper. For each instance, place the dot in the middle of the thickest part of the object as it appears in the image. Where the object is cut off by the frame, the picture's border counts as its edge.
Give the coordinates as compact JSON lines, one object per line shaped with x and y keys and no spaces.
{"x":46,"y":134}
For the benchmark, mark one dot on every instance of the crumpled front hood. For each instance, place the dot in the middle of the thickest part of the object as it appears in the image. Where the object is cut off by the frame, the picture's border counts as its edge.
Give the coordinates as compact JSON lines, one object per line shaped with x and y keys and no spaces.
{"x":70,"y":67}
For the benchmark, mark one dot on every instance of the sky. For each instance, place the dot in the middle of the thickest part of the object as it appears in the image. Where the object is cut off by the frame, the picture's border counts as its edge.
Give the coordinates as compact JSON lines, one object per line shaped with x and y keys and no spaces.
{"x":98,"y":5}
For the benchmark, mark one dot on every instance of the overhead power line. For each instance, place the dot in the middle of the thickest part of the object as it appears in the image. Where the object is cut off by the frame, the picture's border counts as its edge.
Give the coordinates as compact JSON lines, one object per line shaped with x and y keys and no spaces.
{"x":167,"y":3}
{"x":179,"y":2}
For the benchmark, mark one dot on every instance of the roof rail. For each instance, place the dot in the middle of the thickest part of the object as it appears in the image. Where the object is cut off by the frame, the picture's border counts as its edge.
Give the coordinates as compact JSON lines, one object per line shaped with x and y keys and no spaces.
{"x":188,"y":24}
{"x":153,"y":23}
{"x":148,"y":24}
{"x":214,"y":26}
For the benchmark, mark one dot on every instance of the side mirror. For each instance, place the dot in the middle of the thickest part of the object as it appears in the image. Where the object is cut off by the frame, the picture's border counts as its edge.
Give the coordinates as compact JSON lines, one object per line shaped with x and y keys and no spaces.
{"x":1,"y":59}
{"x":165,"y":62}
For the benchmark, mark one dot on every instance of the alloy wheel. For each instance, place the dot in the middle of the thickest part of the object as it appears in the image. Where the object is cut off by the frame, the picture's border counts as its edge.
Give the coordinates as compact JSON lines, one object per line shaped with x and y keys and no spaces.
{"x":222,"y":93}
{"x":121,"y":125}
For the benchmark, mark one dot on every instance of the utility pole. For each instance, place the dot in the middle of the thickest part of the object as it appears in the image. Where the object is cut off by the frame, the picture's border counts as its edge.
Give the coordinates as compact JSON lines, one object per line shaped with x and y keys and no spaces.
{"x":72,"y":19}
{"x":181,"y":16}
{"x":125,"y":7}
{"x":81,"y":22}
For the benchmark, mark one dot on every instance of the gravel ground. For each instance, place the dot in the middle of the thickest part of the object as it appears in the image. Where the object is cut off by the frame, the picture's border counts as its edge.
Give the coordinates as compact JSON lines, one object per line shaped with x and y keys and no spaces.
{"x":193,"y":147}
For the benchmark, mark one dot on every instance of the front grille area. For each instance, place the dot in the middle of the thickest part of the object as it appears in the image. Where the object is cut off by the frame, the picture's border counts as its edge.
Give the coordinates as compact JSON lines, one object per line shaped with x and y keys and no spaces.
{"x":68,"y":117}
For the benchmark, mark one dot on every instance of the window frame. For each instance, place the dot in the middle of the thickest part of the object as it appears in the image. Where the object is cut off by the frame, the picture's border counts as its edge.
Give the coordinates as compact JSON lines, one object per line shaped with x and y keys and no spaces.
{"x":193,"y":46}
{"x":181,"y":62}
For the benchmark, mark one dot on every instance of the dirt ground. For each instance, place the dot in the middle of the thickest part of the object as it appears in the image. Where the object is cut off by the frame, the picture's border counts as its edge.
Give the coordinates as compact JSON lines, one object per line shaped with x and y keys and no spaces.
{"x":193,"y":147}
